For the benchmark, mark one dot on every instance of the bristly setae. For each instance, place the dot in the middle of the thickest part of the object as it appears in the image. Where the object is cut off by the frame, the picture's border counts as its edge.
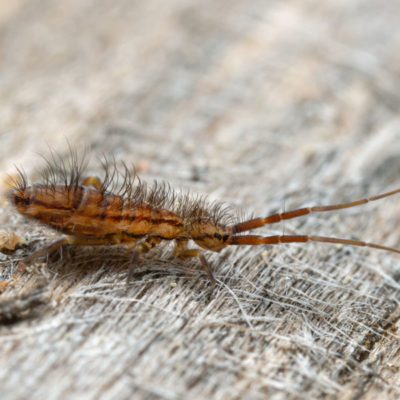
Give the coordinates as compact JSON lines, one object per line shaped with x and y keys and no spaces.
{"x":120,"y":209}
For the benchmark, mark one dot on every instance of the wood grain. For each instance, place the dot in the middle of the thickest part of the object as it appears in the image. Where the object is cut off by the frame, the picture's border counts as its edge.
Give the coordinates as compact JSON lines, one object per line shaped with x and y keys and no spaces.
{"x":266,"y":105}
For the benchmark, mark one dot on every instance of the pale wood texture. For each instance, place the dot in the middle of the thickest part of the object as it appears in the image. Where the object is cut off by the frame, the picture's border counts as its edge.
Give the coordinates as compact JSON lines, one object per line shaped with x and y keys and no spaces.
{"x":263,"y":104}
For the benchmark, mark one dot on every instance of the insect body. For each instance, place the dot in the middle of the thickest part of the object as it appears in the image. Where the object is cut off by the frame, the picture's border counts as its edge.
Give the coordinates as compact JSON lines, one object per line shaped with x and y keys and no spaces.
{"x":91,"y":211}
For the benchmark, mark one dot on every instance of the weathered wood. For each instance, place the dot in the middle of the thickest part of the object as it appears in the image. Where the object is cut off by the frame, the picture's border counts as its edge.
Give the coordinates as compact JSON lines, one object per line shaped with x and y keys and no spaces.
{"x":264,"y":104}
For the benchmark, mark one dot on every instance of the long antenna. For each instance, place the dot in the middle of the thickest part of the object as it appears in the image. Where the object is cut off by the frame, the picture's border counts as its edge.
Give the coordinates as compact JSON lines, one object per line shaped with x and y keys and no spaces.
{"x":254,"y":240}
{"x":274,"y":218}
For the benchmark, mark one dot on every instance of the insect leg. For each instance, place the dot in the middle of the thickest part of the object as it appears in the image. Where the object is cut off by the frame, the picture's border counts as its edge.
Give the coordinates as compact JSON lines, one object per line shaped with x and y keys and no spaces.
{"x":254,"y":240}
{"x":47,"y":250}
{"x":274,"y":218}
{"x":137,"y":250}
{"x":146,"y":245}
{"x":183,"y":252}
{"x":56,"y":245}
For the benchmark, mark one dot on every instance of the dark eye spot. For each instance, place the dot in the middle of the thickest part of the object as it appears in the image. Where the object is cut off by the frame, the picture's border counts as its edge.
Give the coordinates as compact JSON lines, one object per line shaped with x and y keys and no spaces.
{"x":217,"y":236}
{"x":22,"y":200}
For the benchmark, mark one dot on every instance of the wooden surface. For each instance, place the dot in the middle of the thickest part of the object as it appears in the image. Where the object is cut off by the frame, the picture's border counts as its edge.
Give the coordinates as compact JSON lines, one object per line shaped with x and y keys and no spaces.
{"x":266,"y":105}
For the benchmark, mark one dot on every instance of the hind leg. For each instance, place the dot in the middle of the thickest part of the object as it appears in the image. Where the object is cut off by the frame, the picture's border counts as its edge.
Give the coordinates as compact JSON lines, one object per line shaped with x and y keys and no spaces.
{"x":58,"y":244}
{"x":44,"y":251}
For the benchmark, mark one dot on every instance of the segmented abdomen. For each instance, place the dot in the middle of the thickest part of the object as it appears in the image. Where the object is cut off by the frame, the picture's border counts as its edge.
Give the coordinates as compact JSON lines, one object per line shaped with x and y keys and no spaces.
{"x":87,"y":212}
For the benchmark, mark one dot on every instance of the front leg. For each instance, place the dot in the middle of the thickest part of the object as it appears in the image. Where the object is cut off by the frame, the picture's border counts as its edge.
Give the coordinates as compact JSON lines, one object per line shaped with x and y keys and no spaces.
{"x":183,"y":252}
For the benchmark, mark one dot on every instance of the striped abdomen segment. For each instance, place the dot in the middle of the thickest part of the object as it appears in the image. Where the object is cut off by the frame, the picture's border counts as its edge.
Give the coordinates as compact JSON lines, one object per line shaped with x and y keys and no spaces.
{"x":87,"y":212}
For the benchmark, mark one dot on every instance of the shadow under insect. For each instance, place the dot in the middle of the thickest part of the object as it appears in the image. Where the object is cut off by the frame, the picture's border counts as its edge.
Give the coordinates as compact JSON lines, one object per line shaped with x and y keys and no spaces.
{"x":96,"y":262}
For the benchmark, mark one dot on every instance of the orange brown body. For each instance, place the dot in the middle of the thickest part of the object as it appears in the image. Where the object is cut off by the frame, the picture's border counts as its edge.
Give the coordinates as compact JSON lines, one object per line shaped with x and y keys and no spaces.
{"x":90,"y":212}
{"x":86,"y":212}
